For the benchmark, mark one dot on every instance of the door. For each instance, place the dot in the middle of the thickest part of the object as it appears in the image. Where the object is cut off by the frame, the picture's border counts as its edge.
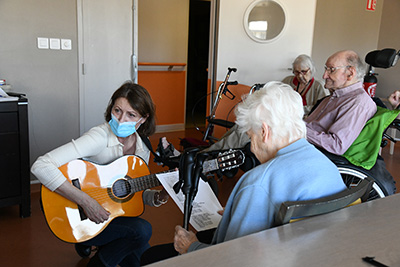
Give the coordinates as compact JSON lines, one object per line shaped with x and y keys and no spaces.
{"x":198,"y":54}
{"x":107,"y":50}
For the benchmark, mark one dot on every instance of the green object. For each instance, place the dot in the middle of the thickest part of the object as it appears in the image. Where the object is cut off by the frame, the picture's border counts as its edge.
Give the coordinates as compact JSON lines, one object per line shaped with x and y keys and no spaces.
{"x":364,"y":150}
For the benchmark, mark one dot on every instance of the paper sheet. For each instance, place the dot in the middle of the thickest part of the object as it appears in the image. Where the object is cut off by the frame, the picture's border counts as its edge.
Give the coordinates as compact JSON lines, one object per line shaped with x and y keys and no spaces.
{"x":205,"y":205}
{"x":5,"y":97}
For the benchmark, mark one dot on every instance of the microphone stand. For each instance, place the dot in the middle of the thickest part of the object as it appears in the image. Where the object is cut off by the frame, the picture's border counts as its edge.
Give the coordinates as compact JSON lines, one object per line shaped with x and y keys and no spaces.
{"x":190,"y":172}
{"x":186,"y":164}
{"x":197,"y":173}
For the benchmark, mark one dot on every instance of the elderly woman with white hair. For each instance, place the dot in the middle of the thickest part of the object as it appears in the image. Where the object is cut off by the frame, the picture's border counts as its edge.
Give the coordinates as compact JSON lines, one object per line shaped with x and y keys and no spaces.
{"x":303,"y":82}
{"x":291,"y":169}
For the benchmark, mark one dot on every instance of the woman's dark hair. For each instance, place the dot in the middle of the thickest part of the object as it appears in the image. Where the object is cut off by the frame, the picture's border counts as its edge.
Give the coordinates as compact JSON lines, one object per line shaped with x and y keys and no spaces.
{"x":140,"y":100}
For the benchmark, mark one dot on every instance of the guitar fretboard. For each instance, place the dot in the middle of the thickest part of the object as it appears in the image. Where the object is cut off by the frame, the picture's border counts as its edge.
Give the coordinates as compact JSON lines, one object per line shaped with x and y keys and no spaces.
{"x":144,"y":182}
{"x":225,"y":161}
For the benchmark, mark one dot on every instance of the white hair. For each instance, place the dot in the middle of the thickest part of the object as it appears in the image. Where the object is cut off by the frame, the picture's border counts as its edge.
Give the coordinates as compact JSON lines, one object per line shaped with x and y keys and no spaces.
{"x":353,"y":59}
{"x":304,"y":61}
{"x":277,"y":105}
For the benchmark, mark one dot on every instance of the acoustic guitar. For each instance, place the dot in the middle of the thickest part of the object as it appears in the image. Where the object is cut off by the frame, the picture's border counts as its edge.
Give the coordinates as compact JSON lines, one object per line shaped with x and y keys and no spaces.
{"x":117,"y":186}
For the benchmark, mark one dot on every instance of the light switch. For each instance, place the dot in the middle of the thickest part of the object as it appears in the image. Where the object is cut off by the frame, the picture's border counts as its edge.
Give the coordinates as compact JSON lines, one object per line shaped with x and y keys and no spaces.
{"x":54,"y":43}
{"x":66,"y":44}
{"x":43,"y":43}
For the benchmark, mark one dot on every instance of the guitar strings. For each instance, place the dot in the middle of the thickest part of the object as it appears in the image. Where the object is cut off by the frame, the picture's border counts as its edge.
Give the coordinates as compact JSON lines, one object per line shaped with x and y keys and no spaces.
{"x":122,"y":189}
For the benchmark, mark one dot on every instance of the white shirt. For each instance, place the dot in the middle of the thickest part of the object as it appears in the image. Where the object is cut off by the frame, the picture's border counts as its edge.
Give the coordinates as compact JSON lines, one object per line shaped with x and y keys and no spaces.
{"x":99,"y":145}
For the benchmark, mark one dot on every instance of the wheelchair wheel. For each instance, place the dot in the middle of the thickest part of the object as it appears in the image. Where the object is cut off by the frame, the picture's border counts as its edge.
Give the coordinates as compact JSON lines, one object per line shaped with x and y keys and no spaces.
{"x":352,"y":176}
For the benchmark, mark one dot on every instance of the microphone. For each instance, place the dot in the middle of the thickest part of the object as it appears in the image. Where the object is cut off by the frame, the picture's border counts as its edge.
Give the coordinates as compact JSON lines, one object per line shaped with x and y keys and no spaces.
{"x":186,"y":174}
{"x":186,"y":165}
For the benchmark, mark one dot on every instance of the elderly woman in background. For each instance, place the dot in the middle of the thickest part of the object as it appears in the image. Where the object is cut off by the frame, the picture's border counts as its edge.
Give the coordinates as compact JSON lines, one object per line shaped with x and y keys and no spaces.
{"x":303,"y":82}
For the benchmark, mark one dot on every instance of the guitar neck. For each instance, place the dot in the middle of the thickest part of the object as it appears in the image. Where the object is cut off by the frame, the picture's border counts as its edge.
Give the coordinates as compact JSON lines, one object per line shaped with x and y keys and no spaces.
{"x":150,"y":181}
{"x":144,"y":182}
{"x":225,"y":161}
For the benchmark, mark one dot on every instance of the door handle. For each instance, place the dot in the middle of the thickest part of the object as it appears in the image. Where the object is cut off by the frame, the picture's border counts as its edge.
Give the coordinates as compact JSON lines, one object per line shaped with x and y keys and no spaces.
{"x":134,"y":68}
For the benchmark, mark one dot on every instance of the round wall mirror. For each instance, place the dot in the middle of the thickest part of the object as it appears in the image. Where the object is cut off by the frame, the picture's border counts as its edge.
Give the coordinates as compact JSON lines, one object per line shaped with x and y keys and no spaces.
{"x":264,"y":20}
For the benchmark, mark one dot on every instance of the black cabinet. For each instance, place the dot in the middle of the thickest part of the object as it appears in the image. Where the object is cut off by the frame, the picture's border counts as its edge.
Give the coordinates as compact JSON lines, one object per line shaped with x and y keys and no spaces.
{"x":14,"y":155}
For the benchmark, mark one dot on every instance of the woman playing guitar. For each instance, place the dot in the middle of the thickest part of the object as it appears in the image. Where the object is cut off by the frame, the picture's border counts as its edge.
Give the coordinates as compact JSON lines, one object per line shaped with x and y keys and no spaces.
{"x":122,"y":240}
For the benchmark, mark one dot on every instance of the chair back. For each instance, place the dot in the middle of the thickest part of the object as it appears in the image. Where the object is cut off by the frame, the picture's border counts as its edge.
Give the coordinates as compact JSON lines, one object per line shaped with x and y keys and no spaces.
{"x":384,"y":58}
{"x":308,"y":208}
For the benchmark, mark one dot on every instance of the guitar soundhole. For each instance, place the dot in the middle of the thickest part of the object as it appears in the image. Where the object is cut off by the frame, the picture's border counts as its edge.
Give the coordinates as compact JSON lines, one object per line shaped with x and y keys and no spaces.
{"x":121,"y":188}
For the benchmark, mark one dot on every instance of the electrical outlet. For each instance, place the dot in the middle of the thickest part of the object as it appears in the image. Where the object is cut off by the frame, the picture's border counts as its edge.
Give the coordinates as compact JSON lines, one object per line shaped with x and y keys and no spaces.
{"x":55,"y":43}
{"x":43,"y":43}
{"x":66,"y":44}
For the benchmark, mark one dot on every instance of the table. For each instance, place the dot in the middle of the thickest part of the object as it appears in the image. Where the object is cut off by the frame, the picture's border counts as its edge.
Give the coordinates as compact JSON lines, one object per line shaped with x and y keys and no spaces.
{"x":340,"y":238}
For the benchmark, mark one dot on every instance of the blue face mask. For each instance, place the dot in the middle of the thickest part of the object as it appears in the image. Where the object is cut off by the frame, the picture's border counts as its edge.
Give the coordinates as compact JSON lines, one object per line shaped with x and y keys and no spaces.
{"x":123,"y":129}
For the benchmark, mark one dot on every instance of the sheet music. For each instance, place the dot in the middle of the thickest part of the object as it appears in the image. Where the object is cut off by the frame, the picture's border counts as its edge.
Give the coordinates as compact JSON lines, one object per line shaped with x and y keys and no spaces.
{"x":205,"y":205}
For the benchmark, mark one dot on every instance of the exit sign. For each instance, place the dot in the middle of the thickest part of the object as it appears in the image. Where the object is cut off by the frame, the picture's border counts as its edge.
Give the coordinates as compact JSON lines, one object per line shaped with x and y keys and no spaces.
{"x":371,"y":5}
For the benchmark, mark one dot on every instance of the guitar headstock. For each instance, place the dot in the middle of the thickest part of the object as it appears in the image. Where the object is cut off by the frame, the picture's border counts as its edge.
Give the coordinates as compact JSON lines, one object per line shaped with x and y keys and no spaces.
{"x":225,"y":161}
{"x":230,"y":159}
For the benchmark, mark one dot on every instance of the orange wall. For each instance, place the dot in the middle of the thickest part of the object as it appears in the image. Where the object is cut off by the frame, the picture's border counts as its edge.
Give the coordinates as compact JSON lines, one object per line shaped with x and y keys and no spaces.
{"x":168,"y":90}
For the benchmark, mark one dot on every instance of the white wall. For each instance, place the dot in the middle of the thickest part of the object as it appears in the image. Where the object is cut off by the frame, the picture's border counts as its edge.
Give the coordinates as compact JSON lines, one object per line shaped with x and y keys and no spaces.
{"x":262,"y":62}
{"x":389,"y":37}
{"x":342,"y":25}
{"x":49,"y":78}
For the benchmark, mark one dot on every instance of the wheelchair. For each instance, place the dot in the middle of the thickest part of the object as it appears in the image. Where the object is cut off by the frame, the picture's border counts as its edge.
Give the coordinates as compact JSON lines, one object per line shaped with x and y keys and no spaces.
{"x":352,"y":175}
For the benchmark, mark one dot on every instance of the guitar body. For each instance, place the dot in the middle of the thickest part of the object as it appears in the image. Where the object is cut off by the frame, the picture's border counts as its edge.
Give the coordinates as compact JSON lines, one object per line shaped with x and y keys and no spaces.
{"x":108,"y":184}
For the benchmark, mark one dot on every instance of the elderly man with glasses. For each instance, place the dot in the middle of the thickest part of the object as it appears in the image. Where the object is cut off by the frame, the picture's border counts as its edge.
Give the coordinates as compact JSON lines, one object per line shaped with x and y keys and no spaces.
{"x":339,"y":118}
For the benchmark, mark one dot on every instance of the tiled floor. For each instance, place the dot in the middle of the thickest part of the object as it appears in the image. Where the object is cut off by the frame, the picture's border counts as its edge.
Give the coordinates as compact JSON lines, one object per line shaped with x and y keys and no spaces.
{"x":29,"y":242}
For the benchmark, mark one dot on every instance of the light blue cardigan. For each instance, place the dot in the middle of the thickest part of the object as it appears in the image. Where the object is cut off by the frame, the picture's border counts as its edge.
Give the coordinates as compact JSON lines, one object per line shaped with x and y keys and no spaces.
{"x":298,"y":172}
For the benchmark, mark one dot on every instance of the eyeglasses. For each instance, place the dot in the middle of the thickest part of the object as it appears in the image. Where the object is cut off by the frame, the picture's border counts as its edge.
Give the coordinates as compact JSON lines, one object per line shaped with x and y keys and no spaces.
{"x":304,"y":72}
{"x":331,"y":70}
